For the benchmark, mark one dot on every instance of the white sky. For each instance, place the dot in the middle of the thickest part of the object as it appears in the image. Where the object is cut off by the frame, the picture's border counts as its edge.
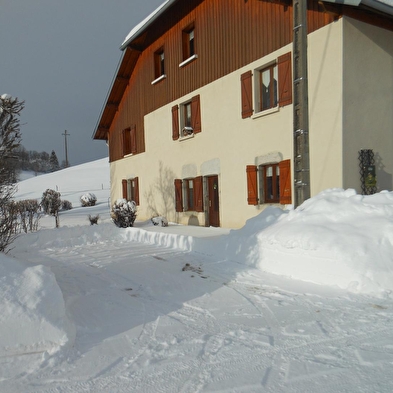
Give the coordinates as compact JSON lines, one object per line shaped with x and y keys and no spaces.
{"x":60,"y":58}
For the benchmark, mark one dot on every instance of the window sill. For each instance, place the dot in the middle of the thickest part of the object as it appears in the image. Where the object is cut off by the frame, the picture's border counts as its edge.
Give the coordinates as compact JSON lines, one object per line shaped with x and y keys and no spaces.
{"x":183,"y":138}
{"x":189,"y":60}
{"x":160,"y":78}
{"x":266,"y":112}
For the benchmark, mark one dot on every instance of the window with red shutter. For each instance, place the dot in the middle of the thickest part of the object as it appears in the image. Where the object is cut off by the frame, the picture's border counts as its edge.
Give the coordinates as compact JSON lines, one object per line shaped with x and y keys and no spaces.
{"x":285,"y":79}
{"x":198,"y":193}
{"x":196,"y":114}
{"x":285,"y":182}
{"x":252,"y":184}
{"x":178,"y":195}
{"x":246,"y":94}
{"x":175,"y":122}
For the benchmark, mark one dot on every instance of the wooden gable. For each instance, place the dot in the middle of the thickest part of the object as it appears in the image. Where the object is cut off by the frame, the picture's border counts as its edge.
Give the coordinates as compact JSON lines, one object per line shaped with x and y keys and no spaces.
{"x":228,"y":35}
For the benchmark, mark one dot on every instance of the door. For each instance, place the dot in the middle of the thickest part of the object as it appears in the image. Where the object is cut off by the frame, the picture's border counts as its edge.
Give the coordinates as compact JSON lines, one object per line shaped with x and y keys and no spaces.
{"x":213,"y":201}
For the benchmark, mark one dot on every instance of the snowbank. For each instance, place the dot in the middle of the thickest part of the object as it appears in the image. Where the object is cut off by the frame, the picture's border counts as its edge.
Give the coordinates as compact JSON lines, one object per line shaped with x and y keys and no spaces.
{"x":32,"y":311}
{"x":337,"y":238}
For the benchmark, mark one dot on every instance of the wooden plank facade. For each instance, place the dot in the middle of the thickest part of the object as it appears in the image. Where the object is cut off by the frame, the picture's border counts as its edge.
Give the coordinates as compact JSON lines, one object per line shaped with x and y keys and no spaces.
{"x":228,"y":35}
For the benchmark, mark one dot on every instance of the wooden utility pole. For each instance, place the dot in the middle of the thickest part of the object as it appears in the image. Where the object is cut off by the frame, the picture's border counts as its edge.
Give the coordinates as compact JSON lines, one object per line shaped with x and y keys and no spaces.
{"x":65,"y":145}
{"x":300,"y":104}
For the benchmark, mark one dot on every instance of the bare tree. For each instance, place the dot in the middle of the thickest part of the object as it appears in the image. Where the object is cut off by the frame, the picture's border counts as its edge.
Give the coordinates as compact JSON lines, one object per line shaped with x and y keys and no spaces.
{"x":10,"y":138}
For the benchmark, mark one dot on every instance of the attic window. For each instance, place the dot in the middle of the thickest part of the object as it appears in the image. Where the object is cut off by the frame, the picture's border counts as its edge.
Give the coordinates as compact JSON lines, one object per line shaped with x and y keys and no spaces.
{"x":188,"y":44}
{"x":159,"y":64}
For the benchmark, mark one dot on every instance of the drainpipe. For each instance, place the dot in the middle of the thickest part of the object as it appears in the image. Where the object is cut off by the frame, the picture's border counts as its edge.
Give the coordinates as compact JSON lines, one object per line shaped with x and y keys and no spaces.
{"x":300,"y":104}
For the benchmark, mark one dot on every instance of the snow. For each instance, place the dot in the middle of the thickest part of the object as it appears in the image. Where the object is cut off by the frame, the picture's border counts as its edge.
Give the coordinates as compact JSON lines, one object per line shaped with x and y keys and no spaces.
{"x":295,"y":301}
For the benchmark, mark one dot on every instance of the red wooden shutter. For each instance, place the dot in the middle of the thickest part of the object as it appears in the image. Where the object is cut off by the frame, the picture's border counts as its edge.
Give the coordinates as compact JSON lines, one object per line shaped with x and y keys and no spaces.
{"x":285,"y":182}
{"x":124,"y":188}
{"x":178,"y":195}
{"x":196,"y":114}
{"x":136,"y":190}
{"x":285,"y":80}
{"x":198,"y":194}
{"x":175,"y":122}
{"x":246,"y":88}
{"x":252,"y":185}
{"x":133,"y":139}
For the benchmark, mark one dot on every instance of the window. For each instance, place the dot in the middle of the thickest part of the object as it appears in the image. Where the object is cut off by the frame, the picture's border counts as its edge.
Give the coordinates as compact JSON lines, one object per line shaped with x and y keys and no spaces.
{"x":130,"y":189}
{"x":274,"y":183}
{"x":126,"y":141}
{"x":186,"y":119}
{"x":189,"y":194}
{"x":188,"y":38}
{"x":272,"y":87}
{"x":159,"y":65}
{"x":129,"y":141}
{"x":271,"y":182}
{"x":267,"y":88}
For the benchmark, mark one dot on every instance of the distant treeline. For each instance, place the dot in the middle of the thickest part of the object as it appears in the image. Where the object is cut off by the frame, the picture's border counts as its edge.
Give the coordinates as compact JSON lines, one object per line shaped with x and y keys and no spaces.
{"x":38,"y":162}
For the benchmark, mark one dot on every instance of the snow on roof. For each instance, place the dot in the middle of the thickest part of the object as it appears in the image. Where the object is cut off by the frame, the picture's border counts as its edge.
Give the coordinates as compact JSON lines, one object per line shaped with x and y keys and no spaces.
{"x":381,"y":5}
{"x":144,"y":23}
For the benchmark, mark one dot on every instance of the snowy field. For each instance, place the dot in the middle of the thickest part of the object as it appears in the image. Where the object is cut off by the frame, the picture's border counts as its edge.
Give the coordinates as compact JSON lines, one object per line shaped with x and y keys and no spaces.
{"x":295,"y":301}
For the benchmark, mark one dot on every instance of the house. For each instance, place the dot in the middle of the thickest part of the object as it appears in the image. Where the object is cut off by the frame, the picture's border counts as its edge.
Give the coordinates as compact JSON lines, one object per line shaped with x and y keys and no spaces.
{"x":199,"y":119}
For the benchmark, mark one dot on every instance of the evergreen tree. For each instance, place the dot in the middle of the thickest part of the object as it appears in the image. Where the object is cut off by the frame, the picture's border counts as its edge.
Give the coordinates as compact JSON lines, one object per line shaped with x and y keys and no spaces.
{"x":54,"y":162}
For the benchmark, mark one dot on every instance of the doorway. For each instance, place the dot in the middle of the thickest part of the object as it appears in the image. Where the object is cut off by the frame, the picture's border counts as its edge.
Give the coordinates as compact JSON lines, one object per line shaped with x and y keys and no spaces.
{"x":213,"y":201}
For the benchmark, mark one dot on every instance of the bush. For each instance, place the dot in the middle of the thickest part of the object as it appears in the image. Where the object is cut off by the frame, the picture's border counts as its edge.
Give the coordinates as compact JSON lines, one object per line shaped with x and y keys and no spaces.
{"x":51,"y":203}
{"x":88,"y":199}
{"x":8,"y":224}
{"x":66,"y":205}
{"x":124,"y":213}
{"x":28,"y":212}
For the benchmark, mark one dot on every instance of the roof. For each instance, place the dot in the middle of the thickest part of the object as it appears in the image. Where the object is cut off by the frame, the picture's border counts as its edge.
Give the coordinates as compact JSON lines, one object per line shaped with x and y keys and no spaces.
{"x":133,"y":44}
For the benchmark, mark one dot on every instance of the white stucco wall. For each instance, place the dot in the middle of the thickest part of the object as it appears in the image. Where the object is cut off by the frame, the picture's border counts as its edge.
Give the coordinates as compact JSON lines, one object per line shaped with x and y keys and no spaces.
{"x":228,"y":143}
{"x":368,"y":100}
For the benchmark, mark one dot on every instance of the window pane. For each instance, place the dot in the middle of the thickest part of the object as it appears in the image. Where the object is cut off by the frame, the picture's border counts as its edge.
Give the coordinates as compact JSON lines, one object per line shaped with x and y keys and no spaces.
{"x":275,"y":95}
{"x":162,"y":63}
{"x":265,"y":89}
{"x":268,"y":88}
{"x":191,"y":40}
{"x":190,"y":194}
{"x":187,"y":114}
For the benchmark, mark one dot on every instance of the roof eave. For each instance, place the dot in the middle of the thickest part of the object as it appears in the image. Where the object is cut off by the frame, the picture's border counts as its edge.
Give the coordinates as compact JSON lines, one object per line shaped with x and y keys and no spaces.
{"x":146,"y":23}
{"x":374,"y":4}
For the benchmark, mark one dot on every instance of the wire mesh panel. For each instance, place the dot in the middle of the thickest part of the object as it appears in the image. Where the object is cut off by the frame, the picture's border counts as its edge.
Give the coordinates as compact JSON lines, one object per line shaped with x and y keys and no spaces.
{"x":368,"y":179}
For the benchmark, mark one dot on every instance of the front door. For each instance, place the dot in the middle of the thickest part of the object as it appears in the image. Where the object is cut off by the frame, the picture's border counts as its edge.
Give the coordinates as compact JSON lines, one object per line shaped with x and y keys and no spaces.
{"x":213,"y":201}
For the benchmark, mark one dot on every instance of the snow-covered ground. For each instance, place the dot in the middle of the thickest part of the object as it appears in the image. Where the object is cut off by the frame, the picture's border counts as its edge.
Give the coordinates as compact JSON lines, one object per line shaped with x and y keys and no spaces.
{"x":296,"y":301}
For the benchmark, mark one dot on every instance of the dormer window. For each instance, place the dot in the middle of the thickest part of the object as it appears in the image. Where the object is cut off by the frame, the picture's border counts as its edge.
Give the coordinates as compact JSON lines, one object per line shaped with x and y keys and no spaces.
{"x":159,"y":65}
{"x":188,"y":42}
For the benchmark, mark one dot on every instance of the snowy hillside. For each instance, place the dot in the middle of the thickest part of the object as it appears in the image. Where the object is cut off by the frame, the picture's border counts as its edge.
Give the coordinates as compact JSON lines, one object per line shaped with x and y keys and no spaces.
{"x":296,"y":301}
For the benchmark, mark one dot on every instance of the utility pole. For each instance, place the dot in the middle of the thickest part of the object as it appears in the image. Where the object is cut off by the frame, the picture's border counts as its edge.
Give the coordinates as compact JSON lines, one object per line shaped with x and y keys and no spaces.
{"x":65,"y":145}
{"x":300,"y":104}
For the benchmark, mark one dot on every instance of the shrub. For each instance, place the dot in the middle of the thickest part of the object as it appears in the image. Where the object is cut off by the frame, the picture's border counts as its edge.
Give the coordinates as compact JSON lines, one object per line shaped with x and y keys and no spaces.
{"x":51,"y":203}
{"x":66,"y":205}
{"x":93,"y":219}
{"x":124,"y":213}
{"x":88,"y":199}
{"x":28,"y":212}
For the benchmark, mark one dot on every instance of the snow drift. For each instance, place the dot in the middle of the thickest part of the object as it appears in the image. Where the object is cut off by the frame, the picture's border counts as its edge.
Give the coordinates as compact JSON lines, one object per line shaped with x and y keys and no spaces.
{"x":32,"y":311}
